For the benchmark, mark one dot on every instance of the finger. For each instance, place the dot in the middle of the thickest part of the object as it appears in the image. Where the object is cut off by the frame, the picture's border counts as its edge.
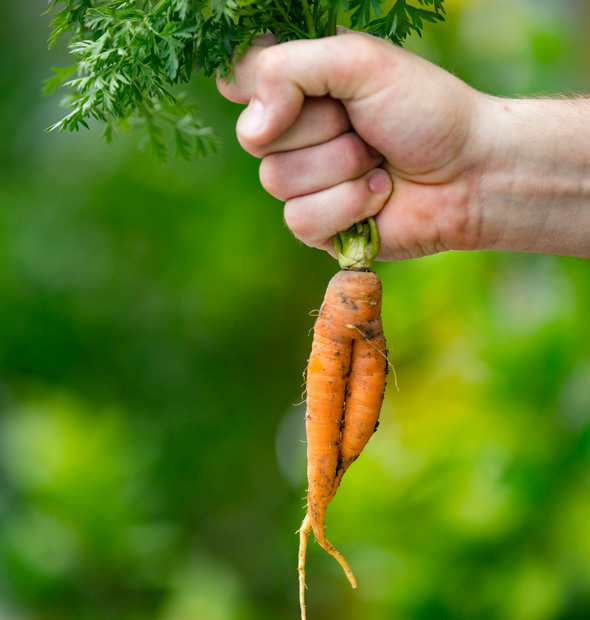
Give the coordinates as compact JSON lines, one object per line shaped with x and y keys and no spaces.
{"x":309,"y":170}
{"x":321,"y":119}
{"x":287,"y":73}
{"x":316,"y":218}
{"x":239,"y":86}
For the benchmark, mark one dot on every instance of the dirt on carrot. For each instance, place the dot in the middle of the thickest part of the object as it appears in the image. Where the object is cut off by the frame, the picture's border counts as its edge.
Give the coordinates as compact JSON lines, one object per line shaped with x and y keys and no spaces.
{"x":346,"y":376}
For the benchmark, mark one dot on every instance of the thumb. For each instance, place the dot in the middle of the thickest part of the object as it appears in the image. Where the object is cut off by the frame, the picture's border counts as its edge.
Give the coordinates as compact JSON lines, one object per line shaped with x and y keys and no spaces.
{"x":339,"y":66}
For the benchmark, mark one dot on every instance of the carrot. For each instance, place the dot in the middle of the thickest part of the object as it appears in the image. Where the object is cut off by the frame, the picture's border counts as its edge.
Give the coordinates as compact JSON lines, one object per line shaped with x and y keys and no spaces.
{"x":345,"y":385}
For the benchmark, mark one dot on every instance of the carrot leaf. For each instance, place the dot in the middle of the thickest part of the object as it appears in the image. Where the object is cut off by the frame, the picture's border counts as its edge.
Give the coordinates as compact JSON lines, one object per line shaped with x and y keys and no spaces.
{"x":132,"y":55}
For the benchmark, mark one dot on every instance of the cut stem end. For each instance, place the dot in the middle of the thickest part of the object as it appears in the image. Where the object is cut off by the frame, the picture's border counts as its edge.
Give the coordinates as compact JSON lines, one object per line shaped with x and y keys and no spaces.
{"x":358,"y":246}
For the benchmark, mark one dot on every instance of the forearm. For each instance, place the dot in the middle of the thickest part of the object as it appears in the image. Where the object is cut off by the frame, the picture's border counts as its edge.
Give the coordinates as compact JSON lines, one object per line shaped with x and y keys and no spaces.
{"x":533,"y":193}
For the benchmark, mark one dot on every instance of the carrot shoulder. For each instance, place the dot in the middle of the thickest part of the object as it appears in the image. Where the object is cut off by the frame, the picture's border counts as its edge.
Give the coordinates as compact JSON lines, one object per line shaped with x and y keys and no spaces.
{"x":345,"y":385}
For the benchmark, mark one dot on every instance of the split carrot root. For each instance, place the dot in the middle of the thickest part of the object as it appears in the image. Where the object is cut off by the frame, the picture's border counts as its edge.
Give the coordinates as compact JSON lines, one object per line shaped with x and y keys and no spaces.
{"x":345,"y":386}
{"x":327,"y":546}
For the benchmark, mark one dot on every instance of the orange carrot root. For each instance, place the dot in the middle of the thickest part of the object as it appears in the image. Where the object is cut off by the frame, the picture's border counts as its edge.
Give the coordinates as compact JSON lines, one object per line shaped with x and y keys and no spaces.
{"x":327,"y":546}
{"x":345,"y":386}
{"x":303,"y":536}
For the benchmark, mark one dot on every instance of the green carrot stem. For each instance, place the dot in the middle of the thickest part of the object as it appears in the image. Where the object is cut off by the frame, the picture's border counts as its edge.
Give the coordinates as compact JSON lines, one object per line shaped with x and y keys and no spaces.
{"x":358,"y":245}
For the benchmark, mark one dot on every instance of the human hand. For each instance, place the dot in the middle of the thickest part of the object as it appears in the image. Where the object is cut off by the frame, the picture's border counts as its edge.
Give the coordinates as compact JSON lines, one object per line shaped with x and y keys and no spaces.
{"x":351,"y":126}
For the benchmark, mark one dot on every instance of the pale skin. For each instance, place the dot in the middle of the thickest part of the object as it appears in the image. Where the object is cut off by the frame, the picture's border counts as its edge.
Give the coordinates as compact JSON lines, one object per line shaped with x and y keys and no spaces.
{"x":351,"y":126}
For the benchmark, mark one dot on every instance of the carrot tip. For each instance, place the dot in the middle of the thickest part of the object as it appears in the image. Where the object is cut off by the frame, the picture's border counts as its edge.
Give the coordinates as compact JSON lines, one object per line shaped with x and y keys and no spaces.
{"x":303,"y":535}
{"x":327,"y":546}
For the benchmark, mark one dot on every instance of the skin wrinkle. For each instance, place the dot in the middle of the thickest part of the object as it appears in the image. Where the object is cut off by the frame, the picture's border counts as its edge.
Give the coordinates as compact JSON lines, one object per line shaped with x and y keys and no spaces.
{"x":476,"y":214}
{"x":394,"y":250}
{"x":463,"y":218}
{"x":514,"y":188}
{"x":586,"y":178}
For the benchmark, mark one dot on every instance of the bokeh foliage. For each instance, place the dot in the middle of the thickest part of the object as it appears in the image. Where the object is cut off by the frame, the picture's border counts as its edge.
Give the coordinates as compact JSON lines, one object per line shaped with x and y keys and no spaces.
{"x":154,"y":326}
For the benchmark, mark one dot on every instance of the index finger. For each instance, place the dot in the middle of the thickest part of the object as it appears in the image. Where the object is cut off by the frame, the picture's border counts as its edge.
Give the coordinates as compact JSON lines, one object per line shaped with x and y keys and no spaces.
{"x":239,"y":86}
{"x":343,"y":67}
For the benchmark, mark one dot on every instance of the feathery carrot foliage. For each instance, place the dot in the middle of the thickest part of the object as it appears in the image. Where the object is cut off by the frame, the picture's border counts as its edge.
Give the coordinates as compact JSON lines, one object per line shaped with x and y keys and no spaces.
{"x":130,"y":54}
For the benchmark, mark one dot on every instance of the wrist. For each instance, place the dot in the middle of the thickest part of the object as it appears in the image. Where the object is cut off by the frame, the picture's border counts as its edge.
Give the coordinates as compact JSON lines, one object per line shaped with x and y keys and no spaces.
{"x":532,"y":189}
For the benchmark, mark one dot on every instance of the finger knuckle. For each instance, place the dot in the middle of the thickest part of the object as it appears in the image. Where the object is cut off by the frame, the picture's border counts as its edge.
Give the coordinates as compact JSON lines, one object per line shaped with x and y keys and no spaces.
{"x":362,"y":50}
{"x":297,"y":222}
{"x":271,"y":177}
{"x":270,"y":62}
{"x":353,"y":154}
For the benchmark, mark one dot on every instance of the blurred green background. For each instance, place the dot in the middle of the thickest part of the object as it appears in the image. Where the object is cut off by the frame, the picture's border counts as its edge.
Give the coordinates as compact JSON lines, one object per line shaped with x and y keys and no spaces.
{"x":154,"y":327}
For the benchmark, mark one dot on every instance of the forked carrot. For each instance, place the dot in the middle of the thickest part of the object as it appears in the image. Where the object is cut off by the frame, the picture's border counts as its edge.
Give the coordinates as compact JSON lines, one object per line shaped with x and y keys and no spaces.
{"x":345,"y":386}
